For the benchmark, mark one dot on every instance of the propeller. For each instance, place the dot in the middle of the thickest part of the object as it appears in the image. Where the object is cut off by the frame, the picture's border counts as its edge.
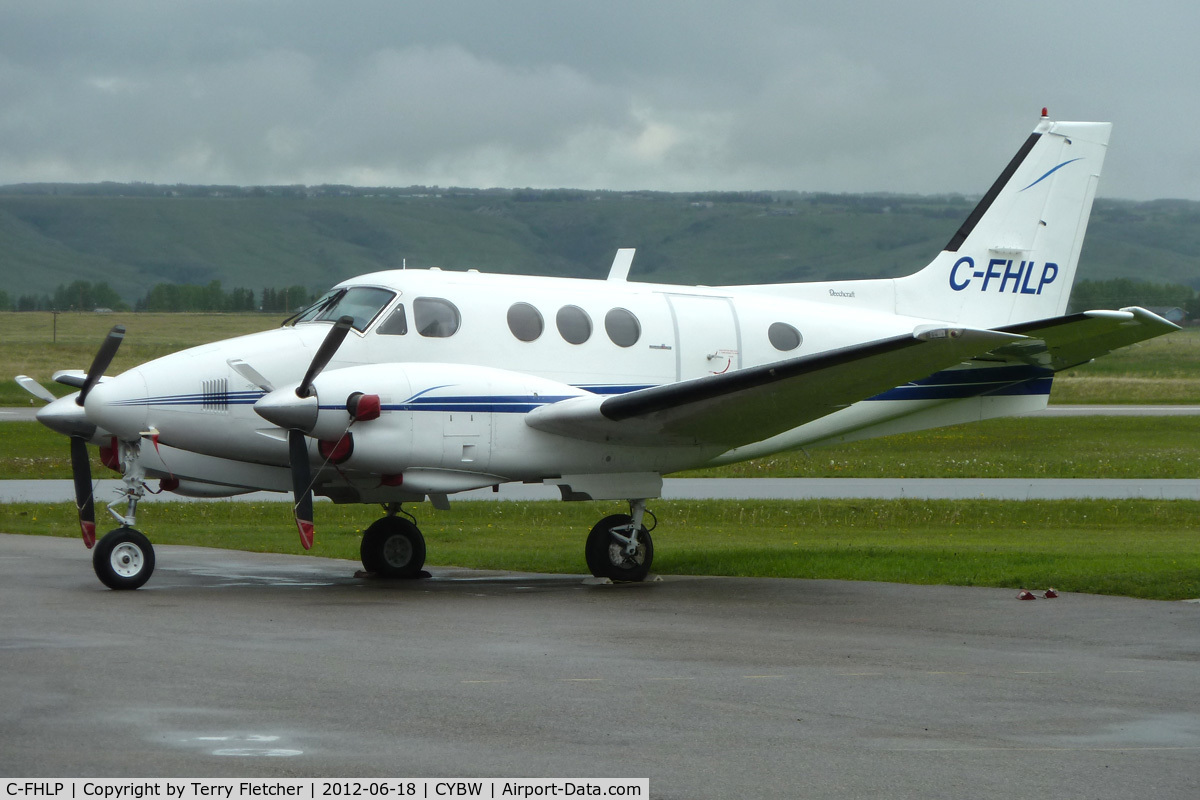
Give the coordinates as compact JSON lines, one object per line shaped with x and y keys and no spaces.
{"x":104,"y":357}
{"x":301,"y":486}
{"x":34,"y":388}
{"x":297,"y":443}
{"x":76,"y":425}
{"x":333,"y":340}
{"x":81,"y":471}
{"x":250,"y":374}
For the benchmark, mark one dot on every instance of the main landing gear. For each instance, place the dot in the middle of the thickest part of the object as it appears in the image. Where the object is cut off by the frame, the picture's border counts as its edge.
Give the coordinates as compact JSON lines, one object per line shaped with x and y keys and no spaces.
{"x":393,"y":547}
{"x":619,"y":547}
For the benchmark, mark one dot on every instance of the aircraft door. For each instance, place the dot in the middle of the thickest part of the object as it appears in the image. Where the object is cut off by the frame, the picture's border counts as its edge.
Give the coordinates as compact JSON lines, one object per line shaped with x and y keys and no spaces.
{"x":707,"y":338}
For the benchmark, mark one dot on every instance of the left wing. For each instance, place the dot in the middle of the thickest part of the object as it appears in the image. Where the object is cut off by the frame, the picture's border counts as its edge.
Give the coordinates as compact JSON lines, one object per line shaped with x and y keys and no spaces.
{"x":755,"y":403}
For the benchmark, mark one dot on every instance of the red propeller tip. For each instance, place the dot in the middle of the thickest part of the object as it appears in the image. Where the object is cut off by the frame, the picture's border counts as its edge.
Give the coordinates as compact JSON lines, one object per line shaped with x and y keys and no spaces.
{"x":306,"y":533}
{"x":89,"y":533}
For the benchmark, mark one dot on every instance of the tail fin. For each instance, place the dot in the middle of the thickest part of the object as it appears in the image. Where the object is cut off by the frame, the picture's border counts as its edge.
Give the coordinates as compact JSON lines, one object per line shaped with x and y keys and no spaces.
{"x":1014,"y":258}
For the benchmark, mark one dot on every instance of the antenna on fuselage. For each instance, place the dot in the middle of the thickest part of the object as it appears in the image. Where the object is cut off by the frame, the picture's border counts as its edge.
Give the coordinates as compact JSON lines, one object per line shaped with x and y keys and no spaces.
{"x":621,"y":264}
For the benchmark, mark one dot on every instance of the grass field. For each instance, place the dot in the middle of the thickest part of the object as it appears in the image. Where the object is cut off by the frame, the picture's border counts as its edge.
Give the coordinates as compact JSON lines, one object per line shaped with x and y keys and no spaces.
{"x":1163,"y":370}
{"x":1022,"y":447}
{"x":1138,"y":548}
{"x":31,"y":345}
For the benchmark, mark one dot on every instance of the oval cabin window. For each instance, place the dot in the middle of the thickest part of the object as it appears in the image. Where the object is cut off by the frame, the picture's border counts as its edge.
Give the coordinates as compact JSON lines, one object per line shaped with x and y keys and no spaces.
{"x":525,"y":322}
{"x":622,"y":327}
{"x":784,"y":336}
{"x":574,"y":324}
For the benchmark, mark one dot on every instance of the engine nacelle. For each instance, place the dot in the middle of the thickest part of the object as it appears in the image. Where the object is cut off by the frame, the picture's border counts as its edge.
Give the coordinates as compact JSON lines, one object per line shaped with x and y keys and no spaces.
{"x":414,"y":415}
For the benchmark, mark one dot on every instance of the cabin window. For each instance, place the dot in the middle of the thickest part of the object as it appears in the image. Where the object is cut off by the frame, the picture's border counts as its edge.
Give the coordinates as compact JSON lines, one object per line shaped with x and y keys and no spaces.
{"x":622,"y":327}
{"x":574,"y":324}
{"x":525,"y":322}
{"x":435,"y":317}
{"x":362,"y":303}
{"x":784,"y":336}
{"x":396,"y":324}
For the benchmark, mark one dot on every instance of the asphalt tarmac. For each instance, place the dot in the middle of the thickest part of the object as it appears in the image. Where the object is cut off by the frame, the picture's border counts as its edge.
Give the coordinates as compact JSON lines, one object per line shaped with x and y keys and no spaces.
{"x":234,"y":664}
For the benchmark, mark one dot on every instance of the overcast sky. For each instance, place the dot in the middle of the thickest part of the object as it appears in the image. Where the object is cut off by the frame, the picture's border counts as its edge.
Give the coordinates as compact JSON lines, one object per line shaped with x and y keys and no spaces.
{"x":883,"y":95}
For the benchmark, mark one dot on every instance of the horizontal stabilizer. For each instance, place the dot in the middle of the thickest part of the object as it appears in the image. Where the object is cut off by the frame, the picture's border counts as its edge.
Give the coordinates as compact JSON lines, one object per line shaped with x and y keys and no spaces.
{"x":752,"y":404}
{"x":1064,"y":342}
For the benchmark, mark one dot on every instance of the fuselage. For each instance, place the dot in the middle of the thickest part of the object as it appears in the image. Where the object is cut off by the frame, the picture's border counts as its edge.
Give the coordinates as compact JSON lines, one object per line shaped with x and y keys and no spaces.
{"x":459,"y":358}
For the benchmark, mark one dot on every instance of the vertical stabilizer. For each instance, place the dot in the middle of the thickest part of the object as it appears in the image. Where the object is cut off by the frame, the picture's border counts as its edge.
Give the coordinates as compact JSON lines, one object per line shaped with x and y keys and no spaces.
{"x":1015,"y":256}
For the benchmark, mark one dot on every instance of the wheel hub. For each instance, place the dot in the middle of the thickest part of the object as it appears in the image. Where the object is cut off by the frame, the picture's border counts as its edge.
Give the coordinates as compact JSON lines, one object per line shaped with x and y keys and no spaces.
{"x":127,"y":560}
{"x":621,"y":557}
{"x":397,"y":551}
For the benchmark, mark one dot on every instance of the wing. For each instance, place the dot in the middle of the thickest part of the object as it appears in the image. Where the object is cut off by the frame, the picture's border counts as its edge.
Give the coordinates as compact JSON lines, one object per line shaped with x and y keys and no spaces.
{"x":752,"y":404}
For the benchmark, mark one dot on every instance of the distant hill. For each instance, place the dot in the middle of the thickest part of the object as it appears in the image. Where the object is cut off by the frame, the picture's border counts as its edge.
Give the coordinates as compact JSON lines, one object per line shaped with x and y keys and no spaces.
{"x":132,"y":236}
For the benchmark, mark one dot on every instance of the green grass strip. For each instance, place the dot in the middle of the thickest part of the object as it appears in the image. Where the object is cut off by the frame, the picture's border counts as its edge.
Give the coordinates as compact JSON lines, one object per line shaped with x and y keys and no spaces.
{"x":1138,"y":548}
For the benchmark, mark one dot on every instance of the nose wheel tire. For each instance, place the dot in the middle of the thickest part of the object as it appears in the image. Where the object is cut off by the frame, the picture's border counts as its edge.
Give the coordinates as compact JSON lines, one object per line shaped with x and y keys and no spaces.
{"x":123,"y":559}
{"x":606,"y":556}
{"x":393,"y":547}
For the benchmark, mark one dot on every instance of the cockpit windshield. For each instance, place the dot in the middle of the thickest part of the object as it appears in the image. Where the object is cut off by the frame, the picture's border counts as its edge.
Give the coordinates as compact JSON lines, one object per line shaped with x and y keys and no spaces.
{"x":361,"y":302}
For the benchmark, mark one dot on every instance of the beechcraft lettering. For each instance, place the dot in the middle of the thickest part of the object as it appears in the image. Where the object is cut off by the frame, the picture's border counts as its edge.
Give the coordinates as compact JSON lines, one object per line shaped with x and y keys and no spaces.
{"x":1000,"y":272}
{"x":409,"y":385}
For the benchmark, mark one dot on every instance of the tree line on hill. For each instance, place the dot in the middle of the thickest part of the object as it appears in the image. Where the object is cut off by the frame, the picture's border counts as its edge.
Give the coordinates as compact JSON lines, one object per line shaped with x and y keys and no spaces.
{"x":1125,"y":292}
{"x":86,"y":296}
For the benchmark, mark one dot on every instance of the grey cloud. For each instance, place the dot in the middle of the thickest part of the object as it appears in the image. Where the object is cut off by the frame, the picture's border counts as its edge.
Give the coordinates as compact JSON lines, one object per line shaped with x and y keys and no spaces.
{"x":665,"y":95}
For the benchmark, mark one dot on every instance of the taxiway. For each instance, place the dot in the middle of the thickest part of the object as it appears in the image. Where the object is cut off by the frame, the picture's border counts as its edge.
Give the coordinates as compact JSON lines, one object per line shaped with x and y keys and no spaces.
{"x":267,"y":665}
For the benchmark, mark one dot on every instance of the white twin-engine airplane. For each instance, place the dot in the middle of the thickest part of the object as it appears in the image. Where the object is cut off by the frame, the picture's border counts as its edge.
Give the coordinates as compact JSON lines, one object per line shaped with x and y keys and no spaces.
{"x":403,"y":385}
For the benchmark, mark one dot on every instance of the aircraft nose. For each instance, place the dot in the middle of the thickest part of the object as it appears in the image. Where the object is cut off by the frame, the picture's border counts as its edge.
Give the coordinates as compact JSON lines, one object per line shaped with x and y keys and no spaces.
{"x":67,"y":417}
{"x":120,"y":405}
{"x":283,"y":408}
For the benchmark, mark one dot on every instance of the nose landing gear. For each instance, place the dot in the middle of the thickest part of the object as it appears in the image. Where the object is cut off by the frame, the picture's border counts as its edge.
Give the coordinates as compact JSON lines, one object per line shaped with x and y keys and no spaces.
{"x":124,"y":557}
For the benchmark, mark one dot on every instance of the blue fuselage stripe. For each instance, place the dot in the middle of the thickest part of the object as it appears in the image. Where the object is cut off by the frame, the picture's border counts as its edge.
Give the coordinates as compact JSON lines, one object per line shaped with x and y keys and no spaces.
{"x":944,"y":385}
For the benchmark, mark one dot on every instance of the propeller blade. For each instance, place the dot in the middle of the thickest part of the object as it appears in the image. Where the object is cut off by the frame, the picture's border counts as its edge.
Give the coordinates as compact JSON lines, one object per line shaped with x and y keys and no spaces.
{"x":34,"y":388}
{"x":70,"y":377}
{"x":250,"y":373}
{"x":104,"y":357}
{"x":301,"y":478}
{"x":81,"y":471}
{"x":333,"y":340}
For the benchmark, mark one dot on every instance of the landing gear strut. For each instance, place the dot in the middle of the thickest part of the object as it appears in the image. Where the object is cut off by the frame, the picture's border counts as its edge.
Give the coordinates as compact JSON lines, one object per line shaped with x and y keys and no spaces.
{"x":393,"y":547}
{"x":124,"y":557}
{"x":619,"y":547}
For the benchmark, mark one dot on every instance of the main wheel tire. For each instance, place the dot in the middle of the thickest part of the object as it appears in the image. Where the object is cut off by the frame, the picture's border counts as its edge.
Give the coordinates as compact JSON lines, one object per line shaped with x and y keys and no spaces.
{"x":606,"y":556}
{"x":123,"y":559}
{"x":393,"y":547}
